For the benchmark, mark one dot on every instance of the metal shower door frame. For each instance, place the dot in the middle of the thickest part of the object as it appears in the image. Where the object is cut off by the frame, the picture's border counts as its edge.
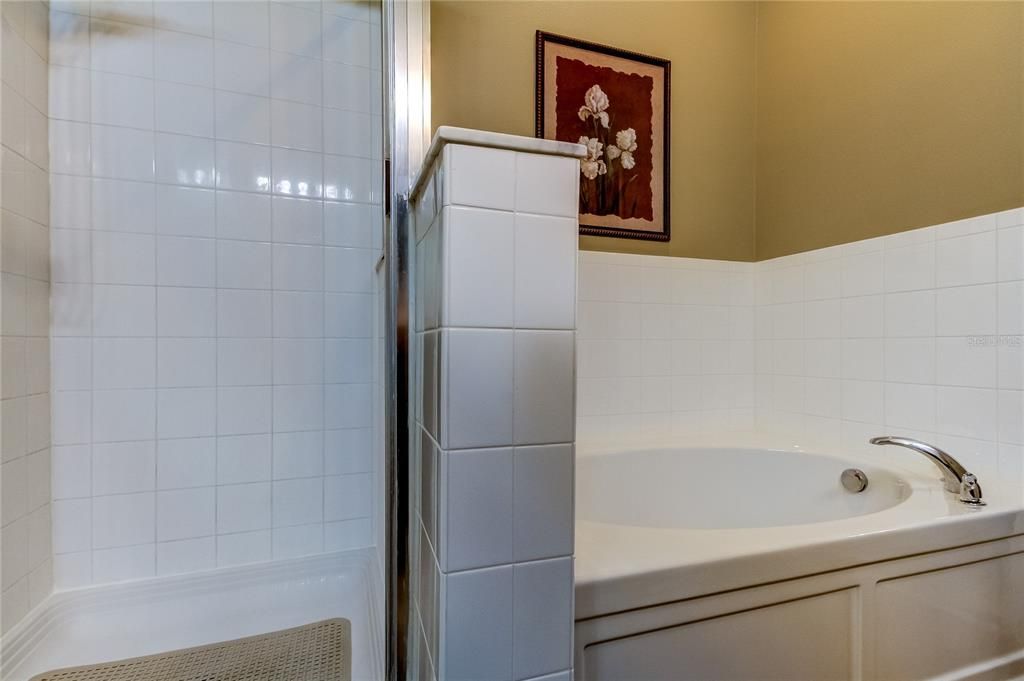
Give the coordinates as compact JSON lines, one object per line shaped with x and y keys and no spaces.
{"x":406,"y":45}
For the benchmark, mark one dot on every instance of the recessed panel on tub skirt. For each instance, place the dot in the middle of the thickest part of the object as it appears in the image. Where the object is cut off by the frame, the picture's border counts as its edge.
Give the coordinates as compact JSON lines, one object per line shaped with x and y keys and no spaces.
{"x":930,"y":623}
{"x":809,"y":638}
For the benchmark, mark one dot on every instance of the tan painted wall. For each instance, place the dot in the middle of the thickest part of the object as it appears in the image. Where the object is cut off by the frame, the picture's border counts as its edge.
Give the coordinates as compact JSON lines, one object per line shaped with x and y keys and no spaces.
{"x":482,"y":71}
{"x":877,"y":117}
{"x":795,"y":125}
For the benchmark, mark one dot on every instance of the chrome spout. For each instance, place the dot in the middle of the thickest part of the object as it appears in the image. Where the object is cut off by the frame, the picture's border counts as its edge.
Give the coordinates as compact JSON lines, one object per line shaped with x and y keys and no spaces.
{"x":955,"y":477}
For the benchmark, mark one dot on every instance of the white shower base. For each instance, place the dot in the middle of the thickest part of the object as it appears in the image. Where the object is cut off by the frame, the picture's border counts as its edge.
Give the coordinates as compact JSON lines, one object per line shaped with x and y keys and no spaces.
{"x":111,"y":622}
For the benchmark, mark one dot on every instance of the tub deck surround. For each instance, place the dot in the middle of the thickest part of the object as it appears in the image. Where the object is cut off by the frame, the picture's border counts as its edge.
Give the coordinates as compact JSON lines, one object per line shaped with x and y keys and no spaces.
{"x":914,"y":334}
{"x":634,"y":580}
{"x":495,"y":318}
{"x":620,"y":566}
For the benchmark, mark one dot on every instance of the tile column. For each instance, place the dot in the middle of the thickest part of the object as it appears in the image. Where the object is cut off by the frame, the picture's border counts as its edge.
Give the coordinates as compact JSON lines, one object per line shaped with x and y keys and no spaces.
{"x":496,"y":234}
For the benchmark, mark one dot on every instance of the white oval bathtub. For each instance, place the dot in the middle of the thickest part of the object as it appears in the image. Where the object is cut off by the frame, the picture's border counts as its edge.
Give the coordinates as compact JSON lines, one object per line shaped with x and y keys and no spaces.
{"x":744,"y":563}
{"x":726,"y":488}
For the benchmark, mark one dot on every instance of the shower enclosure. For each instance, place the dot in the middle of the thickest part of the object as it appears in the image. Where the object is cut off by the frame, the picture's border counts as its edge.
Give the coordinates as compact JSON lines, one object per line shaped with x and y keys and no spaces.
{"x":202,"y":329}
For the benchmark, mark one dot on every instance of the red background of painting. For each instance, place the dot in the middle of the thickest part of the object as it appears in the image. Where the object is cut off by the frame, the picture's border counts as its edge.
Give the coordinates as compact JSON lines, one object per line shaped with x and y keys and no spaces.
{"x":629,"y":97}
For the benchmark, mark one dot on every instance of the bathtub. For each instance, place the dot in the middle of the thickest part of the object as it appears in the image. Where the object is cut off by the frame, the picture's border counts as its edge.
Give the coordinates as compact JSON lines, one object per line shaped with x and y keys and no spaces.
{"x":745,"y":563}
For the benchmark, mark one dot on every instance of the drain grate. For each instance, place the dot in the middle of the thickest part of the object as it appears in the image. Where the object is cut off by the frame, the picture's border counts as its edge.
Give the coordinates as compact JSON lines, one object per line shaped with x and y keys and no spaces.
{"x":315,"y":652}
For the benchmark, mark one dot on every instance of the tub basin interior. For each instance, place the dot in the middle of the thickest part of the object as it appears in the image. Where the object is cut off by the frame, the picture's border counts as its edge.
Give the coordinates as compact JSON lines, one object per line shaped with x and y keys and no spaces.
{"x":726,"y":488}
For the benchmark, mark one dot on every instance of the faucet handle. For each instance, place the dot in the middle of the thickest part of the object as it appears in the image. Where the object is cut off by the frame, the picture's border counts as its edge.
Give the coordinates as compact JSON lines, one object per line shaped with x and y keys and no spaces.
{"x":970,"y":490}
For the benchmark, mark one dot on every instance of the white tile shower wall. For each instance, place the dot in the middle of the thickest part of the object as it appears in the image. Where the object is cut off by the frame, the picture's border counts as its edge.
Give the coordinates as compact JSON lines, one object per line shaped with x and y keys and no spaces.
{"x":216,"y":200}
{"x":26,"y":568}
{"x":917,"y":333}
{"x":495,"y":311}
{"x":666,"y":347}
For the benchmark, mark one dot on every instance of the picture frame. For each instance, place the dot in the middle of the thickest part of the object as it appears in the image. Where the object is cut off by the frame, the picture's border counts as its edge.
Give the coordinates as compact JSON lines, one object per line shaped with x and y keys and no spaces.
{"x":618,"y":104}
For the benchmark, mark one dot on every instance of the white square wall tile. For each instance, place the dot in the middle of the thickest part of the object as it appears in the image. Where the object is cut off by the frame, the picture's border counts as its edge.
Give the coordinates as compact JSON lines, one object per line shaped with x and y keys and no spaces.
{"x":186,"y":362}
{"x":123,"y":520}
{"x":298,"y":540}
{"x":185,"y":513}
{"x":244,"y":458}
{"x":242,"y":22}
{"x":910,"y":314}
{"x":185,"y":261}
{"x":966,"y":362}
{"x":298,"y":502}
{"x":243,"y":314}
{"x":121,"y":415}
{"x":186,"y":412}
{"x":910,"y":360}
{"x":123,"y":467}
{"x":298,"y":408}
{"x":545,"y":272}
{"x":542,"y":617}
{"x":244,"y":410}
{"x":862,"y":273}
{"x":189,"y":462}
{"x":187,"y":555}
{"x":477,"y":392}
{"x":123,"y":563}
{"x":243,"y":547}
{"x":298,"y":454}
{"x":244,"y":264}
{"x":184,"y":160}
{"x":1011,"y":253}
{"x":72,"y":525}
{"x":124,"y":311}
{"x":347,"y":497}
{"x":242,"y":508}
{"x":910,"y":406}
{"x":477,"y":509}
{"x":241,"y":68}
{"x":966,"y":311}
{"x":478,"y":267}
{"x":478,"y":624}
{"x":479,"y":177}
{"x":544,"y":386}
{"x":186,"y":311}
{"x":183,"y":58}
{"x":543,"y":511}
{"x":123,"y":363}
{"x":243,"y":167}
{"x":547,"y":185}
{"x":910,"y":268}
{"x":966,"y":260}
{"x":244,"y":361}
{"x":123,"y":258}
{"x":72,"y":466}
{"x":185,"y":211}
{"x":966,"y":412}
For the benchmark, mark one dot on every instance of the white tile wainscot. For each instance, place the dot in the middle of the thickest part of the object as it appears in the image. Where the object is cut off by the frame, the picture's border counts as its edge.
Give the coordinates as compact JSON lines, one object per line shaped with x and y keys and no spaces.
{"x":916,"y":333}
{"x":495,"y":267}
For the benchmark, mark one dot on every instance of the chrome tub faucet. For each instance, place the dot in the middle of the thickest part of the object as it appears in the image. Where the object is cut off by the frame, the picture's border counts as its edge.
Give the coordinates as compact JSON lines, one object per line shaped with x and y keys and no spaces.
{"x":955,"y":477}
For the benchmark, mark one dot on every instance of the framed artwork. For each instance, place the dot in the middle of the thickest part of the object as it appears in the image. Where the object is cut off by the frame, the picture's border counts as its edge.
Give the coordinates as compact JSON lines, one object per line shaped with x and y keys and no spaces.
{"x":616,"y":103}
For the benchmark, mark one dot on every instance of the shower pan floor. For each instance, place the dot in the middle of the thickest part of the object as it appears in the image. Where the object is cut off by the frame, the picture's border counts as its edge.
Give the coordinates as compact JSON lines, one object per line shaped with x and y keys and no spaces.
{"x":132,"y":619}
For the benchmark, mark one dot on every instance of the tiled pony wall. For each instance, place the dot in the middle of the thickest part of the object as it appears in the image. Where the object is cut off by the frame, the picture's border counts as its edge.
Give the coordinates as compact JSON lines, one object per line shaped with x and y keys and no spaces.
{"x":216,"y":205}
{"x":26,"y":572}
{"x":918,"y":333}
{"x":493,"y":478}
